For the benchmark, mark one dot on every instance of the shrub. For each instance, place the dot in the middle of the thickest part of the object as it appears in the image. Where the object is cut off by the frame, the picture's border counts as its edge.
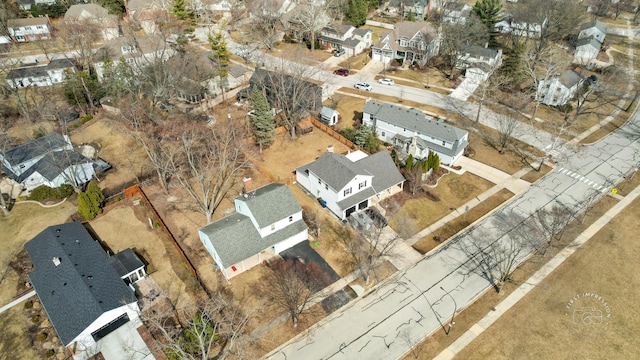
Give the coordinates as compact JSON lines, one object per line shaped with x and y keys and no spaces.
{"x":28,"y":304}
{"x":50,"y":353}
{"x":85,"y":208}
{"x":42,"y":192}
{"x":42,"y":336}
{"x":64,"y":191}
{"x":35,"y":318}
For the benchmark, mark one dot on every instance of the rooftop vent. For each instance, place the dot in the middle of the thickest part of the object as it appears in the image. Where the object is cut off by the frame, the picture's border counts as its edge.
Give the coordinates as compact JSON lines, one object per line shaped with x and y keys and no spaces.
{"x":56,"y":261}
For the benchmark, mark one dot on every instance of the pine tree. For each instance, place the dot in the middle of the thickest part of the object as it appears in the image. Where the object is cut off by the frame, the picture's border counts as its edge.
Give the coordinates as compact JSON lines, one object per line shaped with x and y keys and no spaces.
{"x":357,"y":12}
{"x":96,"y":196}
{"x":179,"y":9}
{"x":490,"y":13}
{"x":514,"y":63}
{"x":262,"y":120}
{"x":219,"y":53}
{"x":361,"y":136}
{"x":411,"y":16}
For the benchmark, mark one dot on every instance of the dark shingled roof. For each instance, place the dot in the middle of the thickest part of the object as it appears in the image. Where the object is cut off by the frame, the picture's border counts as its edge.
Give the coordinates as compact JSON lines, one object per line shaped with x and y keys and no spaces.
{"x":41,"y":70}
{"x":270,"y":203}
{"x":125,"y":262}
{"x":53,"y":164}
{"x":35,"y":148}
{"x":596,"y":24}
{"x":589,"y":41}
{"x":81,"y":287}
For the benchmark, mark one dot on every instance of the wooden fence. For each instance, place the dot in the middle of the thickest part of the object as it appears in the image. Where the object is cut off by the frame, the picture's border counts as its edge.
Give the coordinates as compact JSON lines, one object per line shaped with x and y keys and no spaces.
{"x":137,"y":190}
{"x":334,"y":134}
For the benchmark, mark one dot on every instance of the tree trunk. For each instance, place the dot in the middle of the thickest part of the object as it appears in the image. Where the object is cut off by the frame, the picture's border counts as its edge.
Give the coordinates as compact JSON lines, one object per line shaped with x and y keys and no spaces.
{"x":478,"y":113}
{"x":292,"y":131}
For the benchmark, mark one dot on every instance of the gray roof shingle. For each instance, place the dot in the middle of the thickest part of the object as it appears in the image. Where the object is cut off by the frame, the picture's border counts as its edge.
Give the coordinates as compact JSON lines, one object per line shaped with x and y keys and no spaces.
{"x":53,"y":164}
{"x":125,"y":262}
{"x":82,"y":286}
{"x":35,"y":148}
{"x":270,"y":203}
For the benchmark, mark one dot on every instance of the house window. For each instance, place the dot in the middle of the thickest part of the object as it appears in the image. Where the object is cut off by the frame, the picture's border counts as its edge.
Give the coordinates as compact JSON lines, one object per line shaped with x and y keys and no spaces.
{"x":39,"y":27}
{"x":326,"y":187}
{"x":290,"y":218}
{"x":319,"y":181}
{"x":347,"y":191}
{"x":403,"y":42}
{"x":362,"y":184}
{"x":443,"y":143}
{"x":383,"y":133}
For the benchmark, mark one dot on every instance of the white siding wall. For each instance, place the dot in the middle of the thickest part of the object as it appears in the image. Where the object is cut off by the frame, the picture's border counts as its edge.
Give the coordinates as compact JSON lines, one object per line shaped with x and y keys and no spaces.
{"x":204,"y":239}
{"x":354,"y":184}
{"x":84,"y":339}
{"x":279,"y":225}
{"x":286,"y":244}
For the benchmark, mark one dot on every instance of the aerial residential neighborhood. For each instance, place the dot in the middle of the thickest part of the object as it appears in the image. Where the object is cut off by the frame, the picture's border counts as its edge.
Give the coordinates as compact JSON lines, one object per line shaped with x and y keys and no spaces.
{"x":335,"y":179}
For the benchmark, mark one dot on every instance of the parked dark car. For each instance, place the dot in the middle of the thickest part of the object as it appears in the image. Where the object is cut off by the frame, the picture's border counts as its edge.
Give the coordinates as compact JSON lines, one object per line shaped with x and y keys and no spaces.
{"x":339,"y":52}
{"x":341,"y":72}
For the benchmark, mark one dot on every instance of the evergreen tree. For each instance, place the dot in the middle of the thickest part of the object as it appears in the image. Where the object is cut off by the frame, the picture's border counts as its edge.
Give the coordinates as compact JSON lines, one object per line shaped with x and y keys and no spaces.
{"x":115,"y":7}
{"x":411,"y":16}
{"x":362,"y":135}
{"x":490,"y":13}
{"x":219,"y":53}
{"x":180,"y":10}
{"x":85,"y":207}
{"x":357,"y":12}
{"x":514,"y":63}
{"x":96,"y":196}
{"x":262,"y":121}
{"x":372,"y":144}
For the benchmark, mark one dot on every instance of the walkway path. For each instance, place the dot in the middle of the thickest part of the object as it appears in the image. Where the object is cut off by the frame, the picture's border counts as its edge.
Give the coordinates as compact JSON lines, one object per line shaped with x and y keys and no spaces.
{"x":17,"y":301}
{"x":536,"y":279}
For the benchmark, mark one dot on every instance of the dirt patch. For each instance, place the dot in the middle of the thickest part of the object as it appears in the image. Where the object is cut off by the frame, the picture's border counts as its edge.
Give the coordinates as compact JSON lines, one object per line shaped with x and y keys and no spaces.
{"x":15,"y":343}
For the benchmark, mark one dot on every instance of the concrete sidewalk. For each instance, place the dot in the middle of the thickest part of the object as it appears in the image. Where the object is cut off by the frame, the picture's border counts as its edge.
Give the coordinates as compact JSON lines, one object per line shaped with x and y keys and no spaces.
{"x":517,"y":295}
{"x":17,"y":301}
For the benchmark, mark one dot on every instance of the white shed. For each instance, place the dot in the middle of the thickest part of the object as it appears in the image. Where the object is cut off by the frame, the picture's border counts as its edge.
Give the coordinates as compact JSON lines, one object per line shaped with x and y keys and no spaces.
{"x":329,"y":116}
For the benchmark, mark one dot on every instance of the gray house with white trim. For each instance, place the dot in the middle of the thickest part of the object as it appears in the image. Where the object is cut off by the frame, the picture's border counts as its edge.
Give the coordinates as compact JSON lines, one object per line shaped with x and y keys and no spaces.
{"x":415,"y":133}
{"x":83,"y":296}
{"x":267,"y":221}
{"x":352,"y":182}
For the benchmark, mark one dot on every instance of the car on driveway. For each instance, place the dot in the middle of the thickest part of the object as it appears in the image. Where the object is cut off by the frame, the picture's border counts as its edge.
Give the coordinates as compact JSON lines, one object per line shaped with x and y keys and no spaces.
{"x":385,"y":81}
{"x":363,"y":86}
{"x":339,"y":52}
{"x":341,"y":72}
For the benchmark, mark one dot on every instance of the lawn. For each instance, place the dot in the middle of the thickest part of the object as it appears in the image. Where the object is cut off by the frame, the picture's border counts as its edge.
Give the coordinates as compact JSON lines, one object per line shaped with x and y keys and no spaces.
{"x":452,"y":190}
{"x":14,"y":341}
{"x":550,"y":331}
{"x":349,"y":107}
{"x":285,"y":154}
{"x":427,"y":76}
{"x":453,"y":227}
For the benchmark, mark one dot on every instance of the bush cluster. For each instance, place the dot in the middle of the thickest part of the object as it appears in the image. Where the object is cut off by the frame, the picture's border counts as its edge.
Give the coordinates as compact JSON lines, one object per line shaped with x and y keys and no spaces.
{"x":43,"y":192}
{"x":90,"y":202}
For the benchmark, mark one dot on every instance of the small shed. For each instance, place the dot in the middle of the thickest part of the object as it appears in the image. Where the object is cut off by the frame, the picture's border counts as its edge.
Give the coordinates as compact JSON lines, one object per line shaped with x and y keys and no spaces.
{"x":329,"y":116}
{"x":304,"y":126}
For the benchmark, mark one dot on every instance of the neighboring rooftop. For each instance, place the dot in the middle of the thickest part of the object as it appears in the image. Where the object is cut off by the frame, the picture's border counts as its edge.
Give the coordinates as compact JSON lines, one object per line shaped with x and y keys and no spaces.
{"x":569,"y":78}
{"x":125,"y":262}
{"x":35,"y":148}
{"x":73,"y":279}
{"x":270,"y":203}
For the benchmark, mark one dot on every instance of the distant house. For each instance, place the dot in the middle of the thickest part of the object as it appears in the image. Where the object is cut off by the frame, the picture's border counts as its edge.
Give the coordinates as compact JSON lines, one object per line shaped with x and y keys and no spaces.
{"x":48,"y":74}
{"x":49,"y":160}
{"x":128,"y":266}
{"x":138,"y":52}
{"x":415,"y":133}
{"x":148,"y":13}
{"x":26,"y":4}
{"x":352,"y":182}
{"x":456,"y":12}
{"x":408,"y":42}
{"x":308,"y":95}
{"x":29,"y":29}
{"x":83,"y":296}
{"x":268,"y":220}
{"x":559,"y":90}
{"x":83,"y":14}
{"x":474,"y":55}
{"x":520,"y":28}
{"x":352,"y":40}
{"x":419,"y":8}
{"x":590,"y":41}
{"x":329,"y":116}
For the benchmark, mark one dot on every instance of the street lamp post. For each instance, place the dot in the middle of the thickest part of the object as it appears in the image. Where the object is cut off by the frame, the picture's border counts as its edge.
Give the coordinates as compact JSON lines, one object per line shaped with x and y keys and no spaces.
{"x":453,"y":316}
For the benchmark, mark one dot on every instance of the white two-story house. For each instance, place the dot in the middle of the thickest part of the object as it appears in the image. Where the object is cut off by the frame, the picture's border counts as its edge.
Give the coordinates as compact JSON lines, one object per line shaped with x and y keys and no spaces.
{"x":93,"y":15}
{"x":267,"y":221}
{"x":415,"y":133}
{"x":29,"y":29}
{"x":347,"y":183}
{"x":408,"y":42}
{"x":352,"y":40}
{"x":558,"y":90}
{"x":589,"y":43}
{"x":455,"y":12}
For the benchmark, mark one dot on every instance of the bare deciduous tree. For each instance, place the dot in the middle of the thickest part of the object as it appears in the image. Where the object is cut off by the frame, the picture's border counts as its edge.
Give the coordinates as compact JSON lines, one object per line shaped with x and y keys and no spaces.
{"x":264,"y":22}
{"x":292,"y":286}
{"x":457,"y":37}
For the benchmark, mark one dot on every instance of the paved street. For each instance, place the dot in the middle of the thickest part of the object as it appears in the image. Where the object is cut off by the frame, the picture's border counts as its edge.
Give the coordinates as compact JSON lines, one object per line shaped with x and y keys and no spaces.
{"x":406,"y":308}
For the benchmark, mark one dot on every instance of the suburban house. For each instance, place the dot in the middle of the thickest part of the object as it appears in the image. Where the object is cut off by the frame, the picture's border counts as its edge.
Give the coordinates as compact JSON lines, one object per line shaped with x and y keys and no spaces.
{"x":83,"y":14}
{"x":138,"y":52}
{"x":478,"y":63}
{"x":147,"y":13}
{"x":456,"y":12}
{"x":128,"y":266}
{"x":352,"y":40}
{"x":419,"y":8}
{"x":308,"y":95}
{"x":408,"y":42}
{"x":267,"y":221}
{"x":29,"y":29}
{"x":520,"y":28}
{"x":329,"y":116}
{"x":26,"y":4}
{"x":412,"y":132}
{"x":559,"y":90}
{"x":49,"y":160}
{"x":83,"y":296}
{"x":590,"y":41}
{"x":48,"y":74}
{"x":352,"y":182}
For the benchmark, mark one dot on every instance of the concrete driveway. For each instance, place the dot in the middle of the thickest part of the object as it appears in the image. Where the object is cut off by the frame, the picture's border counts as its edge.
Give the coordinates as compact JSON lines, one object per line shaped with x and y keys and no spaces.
{"x":307,"y":255}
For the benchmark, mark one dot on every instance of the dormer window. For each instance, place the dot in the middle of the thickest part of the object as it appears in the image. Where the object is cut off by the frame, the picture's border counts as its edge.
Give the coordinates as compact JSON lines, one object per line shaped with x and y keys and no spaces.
{"x":290,"y":218}
{"x":362,"y":185}
{"x":126,"y":49}
{"x":347,"y":191}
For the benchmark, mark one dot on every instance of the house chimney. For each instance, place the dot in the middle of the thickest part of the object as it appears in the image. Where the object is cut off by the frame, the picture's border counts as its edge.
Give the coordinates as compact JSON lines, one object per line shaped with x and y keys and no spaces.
{"x":247,"y":184}
{"x":330,"y":148}
{"x":56,"y":261}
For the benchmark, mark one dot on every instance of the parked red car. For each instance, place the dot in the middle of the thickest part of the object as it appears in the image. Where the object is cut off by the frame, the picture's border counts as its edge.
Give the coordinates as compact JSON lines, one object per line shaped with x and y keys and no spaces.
{"x":342,"y":72}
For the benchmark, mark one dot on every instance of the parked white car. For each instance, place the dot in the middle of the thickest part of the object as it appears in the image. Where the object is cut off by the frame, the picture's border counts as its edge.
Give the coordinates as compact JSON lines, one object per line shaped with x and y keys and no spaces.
{"x":385,"y":81}
{"x":363,"y":86}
